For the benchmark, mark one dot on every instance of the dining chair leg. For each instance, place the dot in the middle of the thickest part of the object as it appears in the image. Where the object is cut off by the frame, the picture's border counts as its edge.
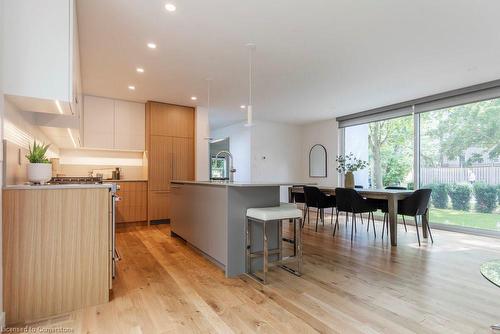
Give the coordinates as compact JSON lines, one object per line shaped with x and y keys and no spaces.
{"x":336,"y":226}
{"x":353,"y":222}
{"x":430,"y":233}
{"x":368,"y":225}
{"x":383,"y":226}
{"x":404,"y":222}
{"x":323,"y":216}
{"x":308,"y":215}
{"x":361,"y":215}
{"x":331,"y":221}
{"x":373,"y":223}
{"x":416,"y":227}
{"x":346,"y":218}
{"x":317,"y":217}
{"x":305,"y":214}
{"x":355,"y":225}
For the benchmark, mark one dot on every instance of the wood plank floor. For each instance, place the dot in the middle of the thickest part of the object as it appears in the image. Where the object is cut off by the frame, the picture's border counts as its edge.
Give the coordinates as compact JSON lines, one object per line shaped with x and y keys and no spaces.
{"x":163,"y":286}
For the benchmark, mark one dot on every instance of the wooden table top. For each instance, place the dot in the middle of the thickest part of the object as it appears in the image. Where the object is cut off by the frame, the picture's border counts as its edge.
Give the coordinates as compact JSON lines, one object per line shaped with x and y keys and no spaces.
{"x":369,"y":193}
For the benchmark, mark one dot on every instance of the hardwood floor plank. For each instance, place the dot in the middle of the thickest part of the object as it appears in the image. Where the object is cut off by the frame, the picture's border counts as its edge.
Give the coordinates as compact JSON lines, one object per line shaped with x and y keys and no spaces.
{"x":367,"y":286}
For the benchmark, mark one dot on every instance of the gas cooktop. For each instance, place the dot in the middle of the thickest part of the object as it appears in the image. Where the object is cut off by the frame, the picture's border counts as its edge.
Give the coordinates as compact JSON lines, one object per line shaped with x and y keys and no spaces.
{"x":75,"y":180}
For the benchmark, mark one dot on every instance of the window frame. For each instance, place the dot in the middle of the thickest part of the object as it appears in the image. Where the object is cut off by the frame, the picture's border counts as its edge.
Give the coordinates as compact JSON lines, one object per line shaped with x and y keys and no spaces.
{"x":463,"y":96}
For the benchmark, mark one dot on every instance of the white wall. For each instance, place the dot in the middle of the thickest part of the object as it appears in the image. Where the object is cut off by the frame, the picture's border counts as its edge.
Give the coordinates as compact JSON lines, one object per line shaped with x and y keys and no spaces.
{"x":276,"y":154}
{"x":326,"y":134}
{"x":240,"y":148}
{"x":202,"y":133}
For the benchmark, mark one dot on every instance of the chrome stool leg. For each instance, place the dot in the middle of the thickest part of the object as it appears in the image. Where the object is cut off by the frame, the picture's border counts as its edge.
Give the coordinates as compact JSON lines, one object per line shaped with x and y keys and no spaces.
{"x":297,"y":251}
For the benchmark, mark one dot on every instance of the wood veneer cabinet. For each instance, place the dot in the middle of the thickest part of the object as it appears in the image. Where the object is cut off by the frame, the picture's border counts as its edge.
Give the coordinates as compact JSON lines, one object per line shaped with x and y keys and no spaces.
{"x":170,"y":146}
{"x":56,"y":251}
{"x":133,"y":204}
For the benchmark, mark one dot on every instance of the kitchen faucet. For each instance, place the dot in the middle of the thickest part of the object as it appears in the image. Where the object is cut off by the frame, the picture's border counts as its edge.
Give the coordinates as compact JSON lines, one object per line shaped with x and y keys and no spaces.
{"x":232,"y":170}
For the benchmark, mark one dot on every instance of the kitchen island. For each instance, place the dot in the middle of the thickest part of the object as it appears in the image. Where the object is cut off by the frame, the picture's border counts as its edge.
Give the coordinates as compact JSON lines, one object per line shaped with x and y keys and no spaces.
{"x":211,"y":216}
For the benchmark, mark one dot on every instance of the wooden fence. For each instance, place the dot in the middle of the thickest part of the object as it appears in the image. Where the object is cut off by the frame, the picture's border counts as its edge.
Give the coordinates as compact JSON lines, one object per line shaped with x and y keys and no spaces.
{"x":489,"y":175}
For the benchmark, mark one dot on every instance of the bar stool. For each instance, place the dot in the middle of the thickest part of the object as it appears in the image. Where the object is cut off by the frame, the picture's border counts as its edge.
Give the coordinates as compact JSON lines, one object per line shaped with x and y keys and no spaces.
{"x":265,"y":216}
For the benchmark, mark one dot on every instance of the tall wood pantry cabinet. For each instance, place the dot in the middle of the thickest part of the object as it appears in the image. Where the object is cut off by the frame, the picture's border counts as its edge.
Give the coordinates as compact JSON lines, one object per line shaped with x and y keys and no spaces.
{"x":170,"y":147}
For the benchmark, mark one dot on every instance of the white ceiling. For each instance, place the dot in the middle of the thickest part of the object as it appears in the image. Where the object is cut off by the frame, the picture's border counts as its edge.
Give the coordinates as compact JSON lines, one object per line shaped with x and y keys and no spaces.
{"x":315,"y":59}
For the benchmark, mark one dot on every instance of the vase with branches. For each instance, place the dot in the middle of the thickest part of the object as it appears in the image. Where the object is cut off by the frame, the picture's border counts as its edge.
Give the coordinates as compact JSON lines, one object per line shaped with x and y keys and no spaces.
{"x":347,"y":164}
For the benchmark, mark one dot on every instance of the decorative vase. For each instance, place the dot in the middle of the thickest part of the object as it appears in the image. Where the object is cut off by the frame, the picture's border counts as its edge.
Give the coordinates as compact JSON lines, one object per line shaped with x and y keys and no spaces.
{"x":39,"y":172}
{"x":349,"y":180}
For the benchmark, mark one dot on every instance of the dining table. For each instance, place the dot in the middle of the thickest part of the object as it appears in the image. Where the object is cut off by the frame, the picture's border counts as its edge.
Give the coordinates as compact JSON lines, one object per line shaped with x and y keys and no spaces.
{"x":392,"y":196}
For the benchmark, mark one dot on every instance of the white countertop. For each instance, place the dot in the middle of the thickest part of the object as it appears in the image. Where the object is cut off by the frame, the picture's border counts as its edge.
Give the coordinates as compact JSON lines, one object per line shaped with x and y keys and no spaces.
{"x":56,"y":186}
{"x":238,"y":184}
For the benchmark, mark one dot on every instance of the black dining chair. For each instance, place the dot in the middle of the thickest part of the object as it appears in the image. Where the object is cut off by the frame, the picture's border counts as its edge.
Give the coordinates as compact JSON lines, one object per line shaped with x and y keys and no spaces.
{"x":315,"y":198}
{"x":383,"y":206}
{"x":415,"y":205}
{"x":350,"y":201}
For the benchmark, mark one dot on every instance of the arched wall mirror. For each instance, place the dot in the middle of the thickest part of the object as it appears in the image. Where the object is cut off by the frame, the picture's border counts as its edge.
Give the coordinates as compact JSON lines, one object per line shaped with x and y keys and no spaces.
{"x":317,"y":161}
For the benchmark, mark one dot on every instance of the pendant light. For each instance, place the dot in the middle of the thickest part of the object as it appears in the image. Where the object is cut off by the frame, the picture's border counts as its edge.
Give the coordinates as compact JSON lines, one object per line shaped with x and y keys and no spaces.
{"x":251,"y":50}
{"x":209,"y":81}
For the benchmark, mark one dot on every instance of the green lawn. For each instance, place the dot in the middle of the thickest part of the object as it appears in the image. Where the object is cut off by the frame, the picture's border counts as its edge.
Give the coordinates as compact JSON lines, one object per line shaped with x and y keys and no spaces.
{"x":488,"y":221}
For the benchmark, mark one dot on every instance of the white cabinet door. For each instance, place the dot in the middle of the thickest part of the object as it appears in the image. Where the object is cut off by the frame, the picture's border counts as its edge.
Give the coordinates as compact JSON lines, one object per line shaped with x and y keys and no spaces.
{"x":98,"y":122}
{"x":37,"y":49}
{"x":130,"y":126}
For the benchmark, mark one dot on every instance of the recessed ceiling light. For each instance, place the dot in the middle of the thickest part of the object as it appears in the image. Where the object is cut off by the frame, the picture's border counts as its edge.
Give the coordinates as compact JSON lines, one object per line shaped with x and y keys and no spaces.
{"x":170,"y":7}
{"x":152,"y":45}
{"x":131,"y":87}
{"x":242,"y":106}
{"x":139,"y":70}
{"x":194,"y":98}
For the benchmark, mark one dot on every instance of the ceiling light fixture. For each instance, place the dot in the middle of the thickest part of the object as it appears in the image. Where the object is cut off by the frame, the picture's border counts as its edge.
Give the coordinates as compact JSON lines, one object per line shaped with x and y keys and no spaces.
{"x":194,"y":98}
{"x":131,"y":87}
{"x":139,"y":70}
{"x":170,"y":7}
{"x":152,"y":45}
{"x":243,"y":106}
{"x":251,"y":50}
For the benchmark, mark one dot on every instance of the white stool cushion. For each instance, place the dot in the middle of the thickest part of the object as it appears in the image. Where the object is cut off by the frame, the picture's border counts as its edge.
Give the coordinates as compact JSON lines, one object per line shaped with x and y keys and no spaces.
{"x":288,"y":205}
{"x":274,"y":213}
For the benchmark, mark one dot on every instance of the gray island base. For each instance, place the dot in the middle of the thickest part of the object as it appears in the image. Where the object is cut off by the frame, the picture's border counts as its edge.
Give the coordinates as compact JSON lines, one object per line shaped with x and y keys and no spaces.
{"x":211,"y":216}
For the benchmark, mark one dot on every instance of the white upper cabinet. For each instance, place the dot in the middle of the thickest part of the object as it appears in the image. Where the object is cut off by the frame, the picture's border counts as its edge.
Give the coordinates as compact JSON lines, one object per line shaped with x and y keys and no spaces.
{"x":130,"y":127}
{"x":41,"y":60}
{"x":113,"y":124}
{"x":98,"y":122}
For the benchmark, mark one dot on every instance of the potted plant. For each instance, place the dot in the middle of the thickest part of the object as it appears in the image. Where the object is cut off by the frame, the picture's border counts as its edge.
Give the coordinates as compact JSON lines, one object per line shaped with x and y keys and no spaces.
{"x":347,"y":164}
{"x":39,"y":168}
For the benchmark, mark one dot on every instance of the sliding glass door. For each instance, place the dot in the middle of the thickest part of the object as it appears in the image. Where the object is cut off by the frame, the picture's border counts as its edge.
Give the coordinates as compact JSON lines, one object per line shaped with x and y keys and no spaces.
{"x":456,"y":151}
{"x":459,"y":160}
{"x":388,"y":147}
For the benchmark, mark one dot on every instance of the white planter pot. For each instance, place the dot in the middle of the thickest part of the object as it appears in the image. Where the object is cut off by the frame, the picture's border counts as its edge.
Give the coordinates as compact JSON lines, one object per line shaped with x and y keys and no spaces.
{"x":39,"y":172}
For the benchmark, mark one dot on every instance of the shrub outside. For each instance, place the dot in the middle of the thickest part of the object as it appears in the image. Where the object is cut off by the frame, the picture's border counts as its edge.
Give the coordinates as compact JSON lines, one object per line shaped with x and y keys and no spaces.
{"x":460,"y":195}
{"x":439,"y":195}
